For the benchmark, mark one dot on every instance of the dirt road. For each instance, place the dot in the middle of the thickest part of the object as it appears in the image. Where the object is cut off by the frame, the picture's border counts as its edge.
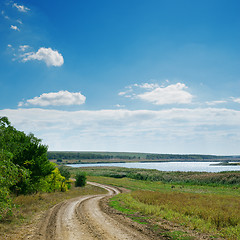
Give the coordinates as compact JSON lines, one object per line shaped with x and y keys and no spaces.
{"x":84,"y":218}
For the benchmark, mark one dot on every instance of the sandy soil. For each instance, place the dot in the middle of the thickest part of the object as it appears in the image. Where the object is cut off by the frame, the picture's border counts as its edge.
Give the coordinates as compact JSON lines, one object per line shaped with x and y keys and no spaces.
{"x":88,"y":217}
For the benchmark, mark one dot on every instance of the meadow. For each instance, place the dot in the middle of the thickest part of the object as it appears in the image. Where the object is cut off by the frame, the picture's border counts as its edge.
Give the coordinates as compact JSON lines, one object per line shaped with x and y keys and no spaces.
{"x":186,"y":199}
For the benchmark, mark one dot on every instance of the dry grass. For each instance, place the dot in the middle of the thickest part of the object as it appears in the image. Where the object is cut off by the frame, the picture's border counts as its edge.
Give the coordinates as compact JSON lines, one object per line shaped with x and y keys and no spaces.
{"x":219,"y":211}
{"x":28,"y":206}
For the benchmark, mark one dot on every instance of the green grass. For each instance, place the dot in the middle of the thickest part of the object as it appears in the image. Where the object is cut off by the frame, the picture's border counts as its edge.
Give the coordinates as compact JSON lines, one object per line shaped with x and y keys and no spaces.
{"x":207,"y":209}
{"x":190,"y":178}
{"x":179,"y":235}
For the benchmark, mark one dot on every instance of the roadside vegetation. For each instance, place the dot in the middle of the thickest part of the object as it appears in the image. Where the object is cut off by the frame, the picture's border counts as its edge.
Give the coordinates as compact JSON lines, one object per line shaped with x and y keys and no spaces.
{"x":202,"y":202}
{"x":24,"y":168}
{"x":29,"y":208}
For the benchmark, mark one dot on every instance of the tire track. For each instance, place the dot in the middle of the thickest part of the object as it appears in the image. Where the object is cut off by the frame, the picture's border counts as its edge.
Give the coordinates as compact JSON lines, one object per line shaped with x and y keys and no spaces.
{"x":82,"y":218}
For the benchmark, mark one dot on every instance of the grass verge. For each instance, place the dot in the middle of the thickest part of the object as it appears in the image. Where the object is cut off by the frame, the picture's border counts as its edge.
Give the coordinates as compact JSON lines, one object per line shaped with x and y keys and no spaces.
{"x":29,"y":206}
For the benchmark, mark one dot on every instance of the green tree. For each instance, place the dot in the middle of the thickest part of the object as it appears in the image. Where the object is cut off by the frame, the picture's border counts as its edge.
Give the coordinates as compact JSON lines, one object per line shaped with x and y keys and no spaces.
{"x":10,"y":174}
{"x":65,"y":172}
{"x":81,"y":179}
{"x":28,"y":153}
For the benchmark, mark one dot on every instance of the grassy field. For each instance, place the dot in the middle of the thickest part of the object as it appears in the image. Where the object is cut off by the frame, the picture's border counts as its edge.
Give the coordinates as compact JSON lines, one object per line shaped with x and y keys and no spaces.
{"x":29,"y":206}
{"x":192,"y":178}
{"x":211,"y":209}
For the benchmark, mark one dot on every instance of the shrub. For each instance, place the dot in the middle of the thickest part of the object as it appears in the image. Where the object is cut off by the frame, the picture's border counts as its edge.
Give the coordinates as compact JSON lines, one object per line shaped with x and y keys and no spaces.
{"x":81,"y":178}
{"x":65,"y":172}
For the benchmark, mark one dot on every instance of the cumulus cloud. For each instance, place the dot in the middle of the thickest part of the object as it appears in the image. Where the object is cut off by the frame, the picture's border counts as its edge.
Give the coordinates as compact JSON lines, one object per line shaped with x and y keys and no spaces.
{"x":159,"y":95}
{"x":47,"y":55}
{"x":208,"y":130}
{"x":14,"y":28}
{"x":20,"y":8}
{"x":61,"y":98}
{"x":171,"y":94}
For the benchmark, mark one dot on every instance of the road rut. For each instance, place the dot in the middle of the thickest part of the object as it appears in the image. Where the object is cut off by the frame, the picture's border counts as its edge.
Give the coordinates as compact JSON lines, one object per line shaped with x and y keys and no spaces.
{"x":83,"y":218}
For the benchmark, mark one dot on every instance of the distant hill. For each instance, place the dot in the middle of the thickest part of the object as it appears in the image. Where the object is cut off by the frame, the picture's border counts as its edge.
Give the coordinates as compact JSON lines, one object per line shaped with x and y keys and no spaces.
{"x":84,"y":157}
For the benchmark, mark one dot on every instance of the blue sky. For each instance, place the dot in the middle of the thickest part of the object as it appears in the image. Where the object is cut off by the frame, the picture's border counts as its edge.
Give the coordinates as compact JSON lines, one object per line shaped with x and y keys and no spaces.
{"x":138,"y":76}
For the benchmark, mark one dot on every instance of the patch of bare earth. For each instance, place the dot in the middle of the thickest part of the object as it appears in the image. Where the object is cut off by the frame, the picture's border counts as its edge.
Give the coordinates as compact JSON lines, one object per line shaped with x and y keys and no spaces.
{"x":90,"y":217}
{"x":83,"y":218}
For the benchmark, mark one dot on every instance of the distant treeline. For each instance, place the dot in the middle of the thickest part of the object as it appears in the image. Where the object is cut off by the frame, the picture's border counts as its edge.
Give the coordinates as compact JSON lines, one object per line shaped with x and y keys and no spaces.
{"x":184,"y":157}
{"x":55,"y":155}
{"x":81,"y":156}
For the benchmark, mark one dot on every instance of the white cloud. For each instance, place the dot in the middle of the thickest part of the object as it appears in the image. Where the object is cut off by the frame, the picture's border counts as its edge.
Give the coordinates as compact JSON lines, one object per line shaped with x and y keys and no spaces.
{"x":9,"y":45}
{"x":14,"y":28}
{"x":120,"y":106}
{"x":21,"y":8}
{"x":61,"y":98}
{"x":121,"y":93}
{"x":237,"y":100}
{"x":172,"y":94}
{"x":201,"y":130}
{"x":23,"y":48}
{"x":49,"y":56}
{"x":212,"y":103}
{"x":4,"y":15}
{"x":148,"y":85}
{"x":159,"y":95}
{"x":19,"y":21}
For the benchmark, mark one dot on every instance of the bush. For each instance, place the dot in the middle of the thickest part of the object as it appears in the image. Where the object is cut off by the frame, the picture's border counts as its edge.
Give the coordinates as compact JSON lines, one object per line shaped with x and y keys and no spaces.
{"x":81,"y":179}
{"x":65,"y":172}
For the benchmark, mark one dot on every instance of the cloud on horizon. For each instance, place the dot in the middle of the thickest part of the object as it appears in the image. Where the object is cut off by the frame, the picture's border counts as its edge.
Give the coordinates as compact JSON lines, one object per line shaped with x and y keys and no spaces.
{"x":176,"y":130}
{"x":61,"y":98}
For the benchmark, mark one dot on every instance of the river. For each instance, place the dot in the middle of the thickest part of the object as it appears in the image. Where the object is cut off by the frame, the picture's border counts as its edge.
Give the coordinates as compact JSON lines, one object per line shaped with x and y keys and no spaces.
{"x":167,"y":166}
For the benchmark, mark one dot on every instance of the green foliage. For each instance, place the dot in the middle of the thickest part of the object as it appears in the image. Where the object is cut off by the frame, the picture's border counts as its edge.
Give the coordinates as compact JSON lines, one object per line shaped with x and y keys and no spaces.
{"x":28,"y":153}
{"x":81,"y":178}
{"x":65,"y":172}
{"x":54,"y":182}
{"x":10,"y":174}
{"x":24,"y":167}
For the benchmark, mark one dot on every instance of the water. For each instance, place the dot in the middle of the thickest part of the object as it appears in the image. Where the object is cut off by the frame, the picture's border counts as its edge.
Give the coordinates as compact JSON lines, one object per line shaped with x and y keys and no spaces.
{"x":167,"y":166}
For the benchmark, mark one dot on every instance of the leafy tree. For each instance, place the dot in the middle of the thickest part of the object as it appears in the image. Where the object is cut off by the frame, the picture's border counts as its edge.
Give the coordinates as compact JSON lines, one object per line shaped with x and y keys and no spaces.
{"x":28,"y":153}
{"x":81,"y":179}
{"x":65,"y":172}
{"x":10,"y":174}
{"x":55,"y":182}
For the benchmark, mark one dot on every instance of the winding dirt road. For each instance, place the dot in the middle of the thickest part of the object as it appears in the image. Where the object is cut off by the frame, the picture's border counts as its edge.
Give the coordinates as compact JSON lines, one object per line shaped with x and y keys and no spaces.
{"x":83,"y":218}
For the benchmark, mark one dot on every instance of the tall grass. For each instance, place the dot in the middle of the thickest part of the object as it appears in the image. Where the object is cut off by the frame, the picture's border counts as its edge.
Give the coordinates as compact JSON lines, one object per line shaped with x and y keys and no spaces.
{"x":194,"y":178}
{"x":213,"y":214}
{"x":208,"y":209}
{"x":219,"y":211}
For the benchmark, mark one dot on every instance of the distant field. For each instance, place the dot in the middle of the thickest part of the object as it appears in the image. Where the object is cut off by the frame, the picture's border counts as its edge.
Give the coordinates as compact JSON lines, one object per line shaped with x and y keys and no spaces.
{"x":107,"y":157}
